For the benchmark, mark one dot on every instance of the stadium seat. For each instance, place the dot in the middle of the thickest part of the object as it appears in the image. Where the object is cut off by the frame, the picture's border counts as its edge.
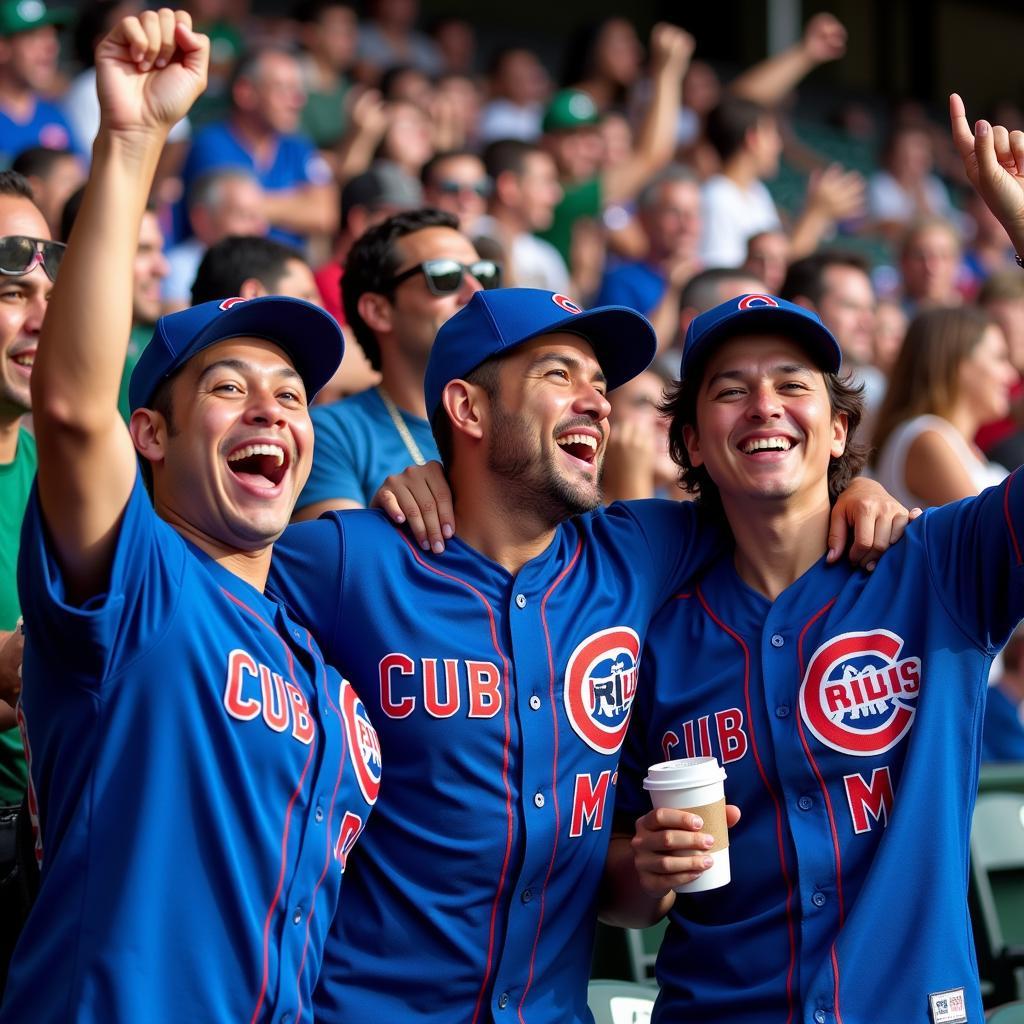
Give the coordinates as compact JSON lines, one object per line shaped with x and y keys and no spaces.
{"x":997,"y":882}
{"x":1008,"y":1013}
{"x":643,"y":944}
{"x":620,"y":1002}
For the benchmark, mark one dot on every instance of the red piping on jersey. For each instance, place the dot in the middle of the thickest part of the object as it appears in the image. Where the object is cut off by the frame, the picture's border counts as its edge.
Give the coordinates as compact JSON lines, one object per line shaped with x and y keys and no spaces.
{"x":828,"y":806}
{"x":554,"y":767}
{"x":1009,"y":520}
{"x":504,"y":768}
{"x":771,"y":792}
{"x":287,"y":814}
{"x":330,"y":821}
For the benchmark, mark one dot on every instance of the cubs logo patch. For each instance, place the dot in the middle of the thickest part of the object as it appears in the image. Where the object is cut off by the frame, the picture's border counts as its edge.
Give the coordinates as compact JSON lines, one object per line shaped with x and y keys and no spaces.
{"x":233,"y":301}
{"x":566,"y":303}
{"x":749,"y":301}
{"x":859,"y":695}
{"x":600,"y":683}
{"x":363,"y":745}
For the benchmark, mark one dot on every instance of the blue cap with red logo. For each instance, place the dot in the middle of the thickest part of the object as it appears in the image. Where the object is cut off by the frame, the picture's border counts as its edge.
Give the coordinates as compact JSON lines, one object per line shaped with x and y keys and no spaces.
{"x":760,"y":314}
{"x":309,"y":335}
{"x":498,"y":320}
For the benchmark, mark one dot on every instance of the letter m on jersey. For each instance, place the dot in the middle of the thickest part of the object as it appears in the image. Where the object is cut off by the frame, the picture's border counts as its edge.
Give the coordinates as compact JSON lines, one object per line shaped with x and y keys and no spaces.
{"x":588,"y":801}
{"x":874,"y":799}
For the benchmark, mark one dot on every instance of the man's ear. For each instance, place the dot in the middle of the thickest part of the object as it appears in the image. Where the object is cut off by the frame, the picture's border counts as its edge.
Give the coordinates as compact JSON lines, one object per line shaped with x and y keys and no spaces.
{"x":376,"y":312}
{"x":840,"y":431}
{"x":692,"y":441}
{"x":149,"y":434}
{"x":467,"y":407}
{"x":252,"y":288}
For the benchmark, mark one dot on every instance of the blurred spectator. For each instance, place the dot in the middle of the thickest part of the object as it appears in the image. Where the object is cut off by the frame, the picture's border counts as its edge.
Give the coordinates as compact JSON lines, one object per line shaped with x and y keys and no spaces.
{"x":518,"y":85}
{"x":989,"y":251}
{"x":455,"y":39}
{"x":604,"y":61}
{"x":905,"y":189}
{"x":1002,"y":738}
{"x":668,"y":211}
{"x":572,"y":138}
{"x":710,"y":288}
{"x":457,"y":182}
{"x":702,"y":92}
{"x":890,"y":330}
{"x":638,"y":463}
{"x":405,"y":84}
{"x":389,"y":38}
{"x":29,"y":49}
{"x":148,"y":272}
{"x":328,"y":32}
{"x":53,"y":175}
{"x":369,"y":198}
{"x":837,"y":286}
{"x":929,"y":264}
{"x":525,"y":191}
{"x":259,"y":135}
{"x":736,"y":202}
{"x":250,"y":267}
{"x":953,"y":374}
{"x":408,"y":139}
{"x":403,"y":279}
{"x":461,"y":95}
{"x":1002,"y":297}
{"x":768,"y":258}
{"x":221,"y":203}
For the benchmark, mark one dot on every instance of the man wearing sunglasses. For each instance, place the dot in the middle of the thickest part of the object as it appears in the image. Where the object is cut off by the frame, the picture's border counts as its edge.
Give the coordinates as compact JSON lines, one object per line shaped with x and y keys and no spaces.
{"x":26,"y":264}
{"x":403,"y":279}
{"x":457,"y":182}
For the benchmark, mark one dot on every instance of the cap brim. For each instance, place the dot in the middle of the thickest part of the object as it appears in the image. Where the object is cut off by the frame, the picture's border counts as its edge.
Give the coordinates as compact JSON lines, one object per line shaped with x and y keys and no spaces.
{"x":622,"y":339}
{"x":812,"y":336}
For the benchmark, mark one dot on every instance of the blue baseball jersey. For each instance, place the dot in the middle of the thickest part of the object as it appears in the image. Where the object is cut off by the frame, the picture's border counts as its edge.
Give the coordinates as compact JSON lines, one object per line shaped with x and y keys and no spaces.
{"x":357,"y":446}
{"x":501,"y":702}
{"x":197,"y":779}
{"x":847,"y":714}
{"x":47,"y":126}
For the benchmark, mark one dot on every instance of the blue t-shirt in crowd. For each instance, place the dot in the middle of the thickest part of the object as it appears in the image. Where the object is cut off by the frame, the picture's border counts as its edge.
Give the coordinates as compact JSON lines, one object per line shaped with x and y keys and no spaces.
{"x":636,"y":285}
{"x":357,"y":446}
{"x":296,"y":162}
{"x":1002,"y":737}
{"x":46,"y":127}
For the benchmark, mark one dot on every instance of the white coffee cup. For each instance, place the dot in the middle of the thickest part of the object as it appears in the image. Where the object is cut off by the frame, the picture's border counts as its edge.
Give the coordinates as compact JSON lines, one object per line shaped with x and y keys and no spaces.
{"x":695,"y":784}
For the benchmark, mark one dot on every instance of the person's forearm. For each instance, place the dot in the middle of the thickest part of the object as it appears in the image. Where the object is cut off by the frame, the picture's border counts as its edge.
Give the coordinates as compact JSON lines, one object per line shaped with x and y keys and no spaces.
{"x":623,"y":902}
{"x":770,"y":81}
{"x":306,"y":211}
{"x":808,"y":232}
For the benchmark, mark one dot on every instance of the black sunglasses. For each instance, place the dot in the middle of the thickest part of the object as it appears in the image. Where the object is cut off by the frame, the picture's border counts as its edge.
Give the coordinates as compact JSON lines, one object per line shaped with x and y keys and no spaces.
{"x":19,"y":254}
{"x":455,"y":188}
{"x":444,"y":277}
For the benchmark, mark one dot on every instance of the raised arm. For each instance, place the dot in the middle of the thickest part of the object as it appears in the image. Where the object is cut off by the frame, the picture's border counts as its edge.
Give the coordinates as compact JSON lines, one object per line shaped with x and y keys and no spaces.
{"x":671,"y":49}
{"x":149,"y":71}
{"x":994,"y":162}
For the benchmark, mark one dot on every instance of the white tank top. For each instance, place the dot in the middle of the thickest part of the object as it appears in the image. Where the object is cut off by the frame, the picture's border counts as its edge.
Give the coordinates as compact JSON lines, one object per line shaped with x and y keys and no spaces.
{"x":890,"y":471}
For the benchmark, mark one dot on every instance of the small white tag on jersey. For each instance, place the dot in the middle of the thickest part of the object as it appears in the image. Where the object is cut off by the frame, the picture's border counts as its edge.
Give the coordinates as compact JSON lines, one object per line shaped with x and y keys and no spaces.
{"x":948,"y":1007}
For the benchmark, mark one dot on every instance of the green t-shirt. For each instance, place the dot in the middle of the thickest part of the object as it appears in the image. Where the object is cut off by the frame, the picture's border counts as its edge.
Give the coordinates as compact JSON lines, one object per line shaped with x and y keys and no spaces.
{"x":324,"y":118}
{"x":137,"y":341}
{"x":581,"y":200}
{"x":15,"y":483}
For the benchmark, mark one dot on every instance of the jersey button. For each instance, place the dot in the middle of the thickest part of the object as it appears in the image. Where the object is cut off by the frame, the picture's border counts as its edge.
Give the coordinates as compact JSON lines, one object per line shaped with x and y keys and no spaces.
{"x":520,"y":600}
{"x":286,"y":1018}
{"x":782,"y":711}
{"x":538,"y":799}
{"x":535,"y":702}
{"x":805,"y":803}
{"x":777,"y":640}
{"x":502,"y":1000}
{"x":819,"y":1016}
{"x":318,"y":814}
{"x":297,"y":916}
{"x":818,"y":899}
{"x":527,"y":895}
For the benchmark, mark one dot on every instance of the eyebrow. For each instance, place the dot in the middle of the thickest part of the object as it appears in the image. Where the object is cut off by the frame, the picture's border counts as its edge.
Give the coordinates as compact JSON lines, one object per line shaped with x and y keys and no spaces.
{"x":569,"y":361}
{"x":241,"y":366}
{"x":784,"y":368}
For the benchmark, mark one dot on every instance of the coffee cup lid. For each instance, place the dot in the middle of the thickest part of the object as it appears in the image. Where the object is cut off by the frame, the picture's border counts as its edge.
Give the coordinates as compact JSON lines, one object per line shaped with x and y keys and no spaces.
{"x":684,"y":773}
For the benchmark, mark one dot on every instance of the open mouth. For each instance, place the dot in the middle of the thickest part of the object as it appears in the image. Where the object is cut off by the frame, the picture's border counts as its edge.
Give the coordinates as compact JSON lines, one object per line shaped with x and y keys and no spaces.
{"x":263,"y":464}
{"x":26,"y":360}
{"x":756,"y":446}
{"x":579,"y":445}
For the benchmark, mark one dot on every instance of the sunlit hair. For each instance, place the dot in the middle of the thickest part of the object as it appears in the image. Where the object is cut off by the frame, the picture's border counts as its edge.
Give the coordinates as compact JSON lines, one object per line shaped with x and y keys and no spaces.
{"x":925,"y":379}
{"x":680,"y":406}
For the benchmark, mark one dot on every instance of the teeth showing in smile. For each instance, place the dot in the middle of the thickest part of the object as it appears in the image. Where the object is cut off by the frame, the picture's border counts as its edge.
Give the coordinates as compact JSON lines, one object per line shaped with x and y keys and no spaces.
{"x":258,"y":449}
{"x":25,"y":359}
{"x":767,"y":444}
{"x":567,"y":440}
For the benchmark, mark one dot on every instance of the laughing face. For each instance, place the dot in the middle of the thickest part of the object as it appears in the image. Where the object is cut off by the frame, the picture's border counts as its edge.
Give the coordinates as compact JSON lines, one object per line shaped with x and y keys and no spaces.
{"x":239,"y":446}
{"x":550,"y":426}
{"x":765,"y":428}
{"x":22,"y":306}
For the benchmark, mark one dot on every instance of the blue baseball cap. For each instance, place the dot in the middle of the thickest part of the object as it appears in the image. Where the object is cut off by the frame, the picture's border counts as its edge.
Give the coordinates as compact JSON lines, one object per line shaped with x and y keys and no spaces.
{"x":310,"y":336}
{"x":760,"y":314}
{"x":496,"y":321}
